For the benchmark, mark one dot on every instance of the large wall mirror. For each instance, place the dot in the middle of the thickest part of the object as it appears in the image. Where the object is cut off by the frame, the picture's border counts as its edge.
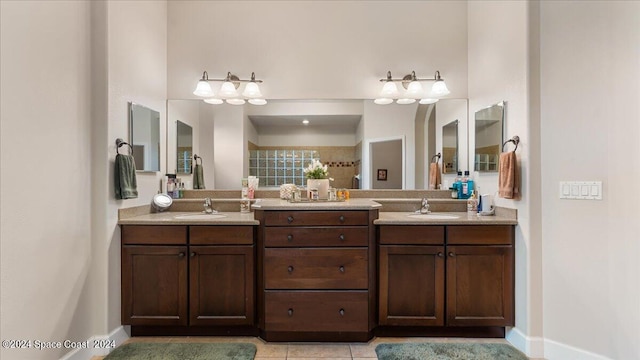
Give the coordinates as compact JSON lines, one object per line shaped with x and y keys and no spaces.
{"x":144,"y":127}
{"x":450,"y":147}
{"x":184,"y":147}
{"x":489,"y":125}
{"x":276,"y":140}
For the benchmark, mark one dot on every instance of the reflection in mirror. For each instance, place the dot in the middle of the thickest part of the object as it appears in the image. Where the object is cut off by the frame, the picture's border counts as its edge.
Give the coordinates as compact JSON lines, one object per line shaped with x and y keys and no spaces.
{"x":450,"y":147}
{"x":489,"y":134}
{"x":144,"y":127}
{"x":237,"y":141}
{"x":184,"y":147}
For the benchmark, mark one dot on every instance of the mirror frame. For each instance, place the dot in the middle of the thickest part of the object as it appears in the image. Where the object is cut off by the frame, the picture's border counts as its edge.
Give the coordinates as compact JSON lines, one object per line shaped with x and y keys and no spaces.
{"x":156,"y":163}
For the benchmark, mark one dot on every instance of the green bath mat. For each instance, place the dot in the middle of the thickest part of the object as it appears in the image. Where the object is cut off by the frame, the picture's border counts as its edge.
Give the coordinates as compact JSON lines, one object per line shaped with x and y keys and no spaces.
{"x":183,"y":351}
{"x":448,"y":351}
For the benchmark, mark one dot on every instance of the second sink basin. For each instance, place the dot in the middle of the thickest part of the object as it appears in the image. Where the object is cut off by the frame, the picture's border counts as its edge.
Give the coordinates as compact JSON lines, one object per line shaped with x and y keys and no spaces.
{"x":433,"y":216}
{"x":199,"y":216}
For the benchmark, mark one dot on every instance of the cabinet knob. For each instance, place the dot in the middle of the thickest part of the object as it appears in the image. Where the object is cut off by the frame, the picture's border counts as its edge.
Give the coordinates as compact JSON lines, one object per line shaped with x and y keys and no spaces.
{"x":181,"y":254}
{"x":290,"y":312}
{"x":341,"y":312}
{"x":290,"y":269}
{"x":440,"y":254}
{"x":289,"y":237}
{"x":193,"y":254}
{"x":341,"y":269}
{"x":341,"y":237}
{"x":289,"y":219}
{"x":341,"y":218}
{"x":451,"y":254}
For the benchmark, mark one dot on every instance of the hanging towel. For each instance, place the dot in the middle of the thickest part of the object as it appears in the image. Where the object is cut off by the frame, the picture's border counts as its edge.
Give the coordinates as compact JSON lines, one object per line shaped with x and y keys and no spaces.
{"x":434,"y":176}
{"x":126,"y":185}
{"x":198,"y":177}
{"x":508,"y":176}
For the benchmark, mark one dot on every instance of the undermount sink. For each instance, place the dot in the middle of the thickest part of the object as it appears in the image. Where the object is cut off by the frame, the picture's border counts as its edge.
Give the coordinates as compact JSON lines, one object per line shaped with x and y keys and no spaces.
{"x":433,"y":216}
{"x":199,"y":216}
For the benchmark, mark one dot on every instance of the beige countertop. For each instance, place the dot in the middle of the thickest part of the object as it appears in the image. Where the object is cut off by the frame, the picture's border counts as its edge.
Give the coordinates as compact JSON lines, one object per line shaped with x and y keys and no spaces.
{"x":352,"y":204}
{"x":462,"y":218}
{"x":190,"y":218}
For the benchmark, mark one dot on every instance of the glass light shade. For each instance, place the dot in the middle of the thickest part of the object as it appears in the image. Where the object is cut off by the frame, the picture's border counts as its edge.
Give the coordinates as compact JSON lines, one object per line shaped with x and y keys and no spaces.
{"x":383,"y":101}
{"x":228,"y":90}
{"x":405,"y":101}
{"x":252,"y":90}
{"x":390,"y":90}
{"x":428,"y":101}
{"x":257,"y":101}
{"x":235,"y":101}
{"x":213,"y":101}
{"x":439,"y":88}
{"x":414,"y":90}
{"x":203,"y":89}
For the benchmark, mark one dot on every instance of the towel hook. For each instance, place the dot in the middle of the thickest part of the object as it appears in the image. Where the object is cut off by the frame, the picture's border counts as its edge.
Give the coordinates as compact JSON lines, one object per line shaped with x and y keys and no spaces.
{"x":515,"y":140}
{"x":120,"y":142}
{"x":438,"y":155}
{"x":196,"y":157}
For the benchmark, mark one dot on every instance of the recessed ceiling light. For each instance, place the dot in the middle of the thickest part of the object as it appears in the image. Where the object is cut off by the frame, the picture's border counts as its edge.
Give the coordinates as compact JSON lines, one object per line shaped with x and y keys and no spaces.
{"x":305,"y":121}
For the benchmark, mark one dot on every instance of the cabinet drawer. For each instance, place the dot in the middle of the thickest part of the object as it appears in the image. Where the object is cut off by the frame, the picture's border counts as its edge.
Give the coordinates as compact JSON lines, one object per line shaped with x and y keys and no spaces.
{"x":313,"y":268}
{"x":480,"y":235}
{"x":316,"y":236}
{"x":154,"y":235}
{"x":412,"y":235}
{"x":316,"y":311}
{"x":221,"y":235}
{"x":314,"y":218}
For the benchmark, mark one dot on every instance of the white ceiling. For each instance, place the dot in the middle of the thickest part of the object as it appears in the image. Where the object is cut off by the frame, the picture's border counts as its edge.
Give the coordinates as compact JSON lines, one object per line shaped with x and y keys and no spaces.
{"x":339,"y":123}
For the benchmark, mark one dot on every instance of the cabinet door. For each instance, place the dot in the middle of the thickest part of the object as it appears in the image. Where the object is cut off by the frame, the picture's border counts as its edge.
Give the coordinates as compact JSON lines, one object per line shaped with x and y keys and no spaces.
{"x":154,"y":285}
{"x":412,"y":285}
{"x":480,"y":286}
{"x":222,"y":285}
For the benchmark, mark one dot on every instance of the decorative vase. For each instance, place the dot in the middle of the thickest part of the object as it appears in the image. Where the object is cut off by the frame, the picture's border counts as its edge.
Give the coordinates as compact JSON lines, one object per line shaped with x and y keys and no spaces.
{"x":321,"y":184}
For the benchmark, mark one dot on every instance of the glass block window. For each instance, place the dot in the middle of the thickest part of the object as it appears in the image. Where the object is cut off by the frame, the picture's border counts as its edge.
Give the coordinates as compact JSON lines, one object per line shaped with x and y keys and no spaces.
{"x":277,"y":167}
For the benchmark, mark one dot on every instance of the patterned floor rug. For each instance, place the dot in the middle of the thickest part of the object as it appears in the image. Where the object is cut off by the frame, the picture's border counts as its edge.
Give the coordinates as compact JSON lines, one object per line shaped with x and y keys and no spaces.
{"x":448,"y":351}
{"x":183,"y":351}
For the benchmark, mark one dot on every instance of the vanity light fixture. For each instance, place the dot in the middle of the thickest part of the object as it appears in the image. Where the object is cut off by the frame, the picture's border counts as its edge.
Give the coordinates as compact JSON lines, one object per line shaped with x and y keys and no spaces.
{"x":229,"y":90}
{"x":414,"y":90}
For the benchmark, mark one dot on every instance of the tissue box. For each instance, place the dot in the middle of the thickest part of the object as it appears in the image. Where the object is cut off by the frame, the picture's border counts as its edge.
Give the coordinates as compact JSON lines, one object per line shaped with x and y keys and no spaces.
{"x":286,"y":190}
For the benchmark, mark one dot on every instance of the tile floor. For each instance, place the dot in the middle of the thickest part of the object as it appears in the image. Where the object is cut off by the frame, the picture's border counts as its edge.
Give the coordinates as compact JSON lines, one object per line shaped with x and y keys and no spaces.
{"x":309,"y":351}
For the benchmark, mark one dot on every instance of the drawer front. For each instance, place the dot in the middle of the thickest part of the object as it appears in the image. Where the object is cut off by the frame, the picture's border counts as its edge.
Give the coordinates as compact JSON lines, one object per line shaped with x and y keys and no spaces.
{"x":313,"y":268}
{"x":412,"y":235}
{"x":316,"y":236}
{"x":316,"y":311}
{"x":315,"y":218}
{"x":480,"y":235}
{"x":221,"y":235}
{"x":154,"y":235}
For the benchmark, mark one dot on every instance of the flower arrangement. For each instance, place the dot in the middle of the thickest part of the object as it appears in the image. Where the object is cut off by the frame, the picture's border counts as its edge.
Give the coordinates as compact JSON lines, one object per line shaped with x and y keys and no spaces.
{"x":316,"y":170}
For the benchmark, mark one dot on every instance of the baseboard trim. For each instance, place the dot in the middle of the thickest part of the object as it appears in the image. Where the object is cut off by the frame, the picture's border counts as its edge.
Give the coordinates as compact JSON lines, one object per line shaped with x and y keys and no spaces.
{"x":554,"y":350}
{"x":533,"y":347}
{"x":117,"y":336}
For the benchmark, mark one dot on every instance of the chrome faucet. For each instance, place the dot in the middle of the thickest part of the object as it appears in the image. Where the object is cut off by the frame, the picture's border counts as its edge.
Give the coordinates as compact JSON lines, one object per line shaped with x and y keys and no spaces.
{"x":424,"y":206}
{"x":207,"y":206}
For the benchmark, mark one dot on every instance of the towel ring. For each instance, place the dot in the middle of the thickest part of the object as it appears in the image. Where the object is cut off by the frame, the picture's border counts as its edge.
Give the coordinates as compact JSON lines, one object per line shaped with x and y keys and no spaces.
{"x":438,"y":156}
{"x":196,"y":157}
{"x":515,"y":140}
{"x":120,"y":142}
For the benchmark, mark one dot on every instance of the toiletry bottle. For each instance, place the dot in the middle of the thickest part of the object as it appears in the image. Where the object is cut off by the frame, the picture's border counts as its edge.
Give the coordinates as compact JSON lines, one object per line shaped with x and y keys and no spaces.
{"x":472,"y":204}
{"x":181,"y":190}
{"x":458,"y":184}
{"x":245,"y":203}
{"x":477,"y":193}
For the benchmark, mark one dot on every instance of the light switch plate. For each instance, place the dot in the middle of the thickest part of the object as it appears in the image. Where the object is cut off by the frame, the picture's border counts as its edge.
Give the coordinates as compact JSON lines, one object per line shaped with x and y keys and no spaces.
{"x":581,"y":190}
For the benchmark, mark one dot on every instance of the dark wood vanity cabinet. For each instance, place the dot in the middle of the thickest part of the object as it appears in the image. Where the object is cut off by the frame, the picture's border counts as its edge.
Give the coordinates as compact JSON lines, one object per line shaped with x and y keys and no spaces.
{"x":187,"y":275}
{"x":316,"y":274}
{"x":475,"y":264}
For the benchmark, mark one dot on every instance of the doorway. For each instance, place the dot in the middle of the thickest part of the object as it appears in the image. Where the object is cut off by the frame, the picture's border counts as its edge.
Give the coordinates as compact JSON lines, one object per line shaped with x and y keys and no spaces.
{"x":387,"y":163}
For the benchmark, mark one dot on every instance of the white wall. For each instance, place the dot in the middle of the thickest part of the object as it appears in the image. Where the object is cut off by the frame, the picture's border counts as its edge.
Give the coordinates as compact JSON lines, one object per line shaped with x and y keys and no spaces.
{"x":386,"y":155}
{"x":319,"y":49}
{"x":205,"y":136}
{"x":590,"y":92}
{"x":229,"y":153}
{"x":306,"y":137}
{"x":46,"y":245}
{"x":499,"y":70}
